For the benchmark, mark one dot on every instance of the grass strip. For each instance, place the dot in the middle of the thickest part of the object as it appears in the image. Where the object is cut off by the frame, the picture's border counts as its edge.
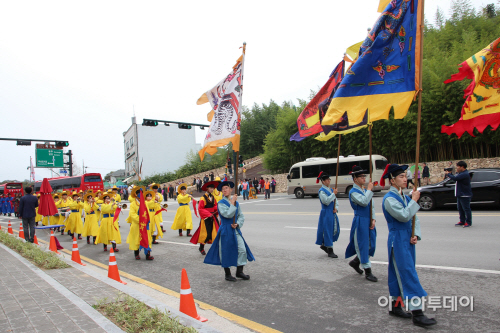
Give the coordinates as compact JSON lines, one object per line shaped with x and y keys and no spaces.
{"x":136,"y":317}
{"x":39,"y":257}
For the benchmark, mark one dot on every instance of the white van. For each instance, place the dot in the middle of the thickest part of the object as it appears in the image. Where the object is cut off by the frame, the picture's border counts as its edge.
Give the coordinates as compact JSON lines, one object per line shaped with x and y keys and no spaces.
{"x":302,"y":176}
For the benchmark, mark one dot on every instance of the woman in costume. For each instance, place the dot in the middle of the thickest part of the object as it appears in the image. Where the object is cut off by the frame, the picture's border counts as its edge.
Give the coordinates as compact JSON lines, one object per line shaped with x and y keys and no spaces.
{"x":156,"y":226}
{"x":207,"y":207}
{"x":229,"y":248}
{"x":38,"y":217}
{"x":183,"y":219}
{"x":134,"y":237}
{"x":74,"y":225}
{"x":399,"y":210}
{"x":216,"y":193}
{"x":328,"y":224}
{"x":363,"y":237}
{"x":91,"y":227}
{"x":108,"y":231}
{"x":63,"y":203}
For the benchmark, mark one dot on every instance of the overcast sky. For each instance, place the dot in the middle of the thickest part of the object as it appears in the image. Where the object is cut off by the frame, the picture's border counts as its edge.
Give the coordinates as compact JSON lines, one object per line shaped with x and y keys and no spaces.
{"x":73,"y":70}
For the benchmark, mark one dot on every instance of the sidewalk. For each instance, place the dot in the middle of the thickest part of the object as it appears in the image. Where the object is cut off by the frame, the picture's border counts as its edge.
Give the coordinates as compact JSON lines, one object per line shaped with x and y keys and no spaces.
{"x":31,"y":301}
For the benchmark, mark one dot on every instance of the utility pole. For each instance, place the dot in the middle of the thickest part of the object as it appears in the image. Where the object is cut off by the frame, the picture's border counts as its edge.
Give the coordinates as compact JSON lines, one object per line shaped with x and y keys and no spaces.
{"x":70,"y":162}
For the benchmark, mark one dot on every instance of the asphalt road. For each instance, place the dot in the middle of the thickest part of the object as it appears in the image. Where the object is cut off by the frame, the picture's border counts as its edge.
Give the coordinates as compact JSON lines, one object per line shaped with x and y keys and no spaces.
{"x":295,"y":287}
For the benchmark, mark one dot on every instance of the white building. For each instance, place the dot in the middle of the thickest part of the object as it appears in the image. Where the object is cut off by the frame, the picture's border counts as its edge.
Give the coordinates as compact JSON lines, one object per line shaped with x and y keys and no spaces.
{"x":160,"y":149}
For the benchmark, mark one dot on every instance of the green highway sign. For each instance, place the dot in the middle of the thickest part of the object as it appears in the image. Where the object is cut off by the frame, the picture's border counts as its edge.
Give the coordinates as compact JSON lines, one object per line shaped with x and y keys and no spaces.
{"x":49,"y":158}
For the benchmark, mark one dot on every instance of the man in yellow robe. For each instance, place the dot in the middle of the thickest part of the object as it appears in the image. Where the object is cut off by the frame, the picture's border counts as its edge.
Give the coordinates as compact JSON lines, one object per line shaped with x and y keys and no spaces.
{"x":134,"y":236}
{"x":183,"y":219}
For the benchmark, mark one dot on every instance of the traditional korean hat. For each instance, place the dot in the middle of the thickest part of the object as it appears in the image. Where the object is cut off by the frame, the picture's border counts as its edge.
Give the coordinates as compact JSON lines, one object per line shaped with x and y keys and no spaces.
{"x":151,"y":193}
{"x":154,"y":185}
{"x":226,"y":183}
{"x":135,"y":191}
{"x":114,"y":188}
{"x":74,"y":193}
{"x":356,"y":171}
{"x":392,"y":171}
{"x":217,"y":178}
{"x":322,"y":176}
{"x":55,"y":195}
{"x":213,"y":184}
{"x":64,"y":193}
{"x":181,"y":186}
{"x":89,"y":194}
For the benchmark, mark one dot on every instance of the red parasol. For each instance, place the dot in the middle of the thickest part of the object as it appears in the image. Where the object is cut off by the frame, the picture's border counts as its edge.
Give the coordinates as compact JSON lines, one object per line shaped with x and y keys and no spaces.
{"x":47,"y":206}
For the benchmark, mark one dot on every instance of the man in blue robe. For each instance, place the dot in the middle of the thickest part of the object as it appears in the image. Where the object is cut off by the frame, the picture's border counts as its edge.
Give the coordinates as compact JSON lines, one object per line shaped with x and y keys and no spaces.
{"x":399,"y":210}
{"x":328,"y":224}
{"x":229,"y":247}
{"x":1,"y":205}
{"x":363,"y":237}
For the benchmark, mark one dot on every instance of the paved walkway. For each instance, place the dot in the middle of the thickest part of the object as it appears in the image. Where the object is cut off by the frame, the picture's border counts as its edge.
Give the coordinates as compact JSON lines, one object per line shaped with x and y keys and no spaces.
{"x":32,"y":301}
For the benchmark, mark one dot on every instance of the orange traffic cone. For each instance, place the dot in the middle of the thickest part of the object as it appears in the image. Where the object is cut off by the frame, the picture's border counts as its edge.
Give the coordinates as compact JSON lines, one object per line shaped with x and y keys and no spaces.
{"x":21,"y":231}
{"x":52,"y":245}
{"x":187,"y":301}
{"x":75,"y":255}
{"x":113,"y":268}
{"x":35,"y":240}
{"x":9,"y":230}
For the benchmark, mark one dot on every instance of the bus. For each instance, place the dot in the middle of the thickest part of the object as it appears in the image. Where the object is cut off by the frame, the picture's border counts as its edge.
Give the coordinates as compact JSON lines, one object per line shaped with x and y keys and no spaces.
{"x":88,"y":181}
{"x":302,"y":176}
{"x":11,"y":189}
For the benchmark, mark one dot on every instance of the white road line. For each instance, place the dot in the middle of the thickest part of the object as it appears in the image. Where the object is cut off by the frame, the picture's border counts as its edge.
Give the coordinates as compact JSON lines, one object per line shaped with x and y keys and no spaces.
{"x":273,"y":204}
{"x":160,"y":241}
{"x":312,"y":228}
{"x":249,"y":202}
{"x":461,"y":269}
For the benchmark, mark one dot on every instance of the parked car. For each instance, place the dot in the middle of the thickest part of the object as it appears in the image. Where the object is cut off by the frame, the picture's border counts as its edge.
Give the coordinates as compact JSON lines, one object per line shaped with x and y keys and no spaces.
{"x":485,"y":185}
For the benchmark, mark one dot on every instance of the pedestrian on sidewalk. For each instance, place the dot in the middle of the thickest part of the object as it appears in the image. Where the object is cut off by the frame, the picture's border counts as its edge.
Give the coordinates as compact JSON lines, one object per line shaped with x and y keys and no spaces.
{"x":273,"y":185}
{"x":246,"y":187}
{"x":256,"y":184}
{"x":403,"y":282}
{"x":425,"y":175}
{"x":463,"y":192}
{"x":409,"y":177}
{"x":27,"y":211}
{"x":267,"y":189}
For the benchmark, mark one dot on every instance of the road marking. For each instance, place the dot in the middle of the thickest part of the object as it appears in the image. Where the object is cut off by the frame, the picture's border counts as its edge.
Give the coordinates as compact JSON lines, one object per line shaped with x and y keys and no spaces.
{"x":461,"y":269}
{"x":244,"y":203}
{"x":160,"y":241}
{"x":273,"y":204}
{"x":312,"y":228}
{"x":223,"y":313}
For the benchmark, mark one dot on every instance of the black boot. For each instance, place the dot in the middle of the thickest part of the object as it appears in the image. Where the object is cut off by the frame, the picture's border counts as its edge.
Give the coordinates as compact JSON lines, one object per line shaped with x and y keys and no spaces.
{"x":398,"y":311}
{"x":354,"y":263}
{"x":149,"y":256}
{"x":79,"y":236}
{"x":94,"y":238}
{"x":229,"y":277}
{"x":419,"y":319}
{"x":136,"y":253}
{"x":369,"y":275}
{"x":88,"y":239}
{"x":154,"y":240}
{"x":324,"y":248}
{"x":202,"y":249}
{"x":189,"y":233}
{"x":180,"y":232}
{"x":114,"y":247}
{"x":105,"y":247}
{"x":240,"y":274}
{"x":331,"y":254}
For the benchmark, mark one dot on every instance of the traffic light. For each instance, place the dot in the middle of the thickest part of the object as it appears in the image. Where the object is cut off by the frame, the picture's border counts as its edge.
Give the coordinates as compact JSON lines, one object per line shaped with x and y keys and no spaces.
{"x":23,"y":143}
{"x":149,"y":122}
{"x":62,"y":143}
{"x":240,"y":161}
{"x":185,"y":126}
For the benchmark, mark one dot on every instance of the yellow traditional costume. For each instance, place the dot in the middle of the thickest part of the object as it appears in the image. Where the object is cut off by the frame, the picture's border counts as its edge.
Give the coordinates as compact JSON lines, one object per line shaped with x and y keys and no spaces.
{"x":91,"y":227}
{"x":63,"y":204}
{"x":74,"y":224}
{"x":98,"y":201}
{"x":109,"y":233}
{"x":115,"y":196}
{"x":134,"y":237}
{"x":39,"y":217}
{"x":183,"y":219}
{"x":216,"y":193}
{"x":156,"y":227}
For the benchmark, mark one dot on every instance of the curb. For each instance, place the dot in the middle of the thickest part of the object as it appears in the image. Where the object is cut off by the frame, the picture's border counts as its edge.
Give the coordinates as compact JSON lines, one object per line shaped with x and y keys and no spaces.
{"x":95,"y":315}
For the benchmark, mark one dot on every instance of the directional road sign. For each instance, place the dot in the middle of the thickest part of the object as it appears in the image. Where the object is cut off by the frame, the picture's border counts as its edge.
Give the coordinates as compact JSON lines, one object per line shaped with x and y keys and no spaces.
{"x":49,"y":158}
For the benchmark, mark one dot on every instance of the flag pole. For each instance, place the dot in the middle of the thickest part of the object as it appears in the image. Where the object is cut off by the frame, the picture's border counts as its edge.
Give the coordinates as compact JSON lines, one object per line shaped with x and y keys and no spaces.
{"x":337,"y":170}
{"x":419,"y":114}
{"x":370,"y":125}
{"x":238,"y":152}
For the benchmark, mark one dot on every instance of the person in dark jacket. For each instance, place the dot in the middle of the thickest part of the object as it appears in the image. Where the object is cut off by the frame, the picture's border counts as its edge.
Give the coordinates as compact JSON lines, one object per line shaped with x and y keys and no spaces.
{"x":27,"y":211}
{"x":425,"y":175}
{"x":256,"y":184}
{"x":463,"y":192}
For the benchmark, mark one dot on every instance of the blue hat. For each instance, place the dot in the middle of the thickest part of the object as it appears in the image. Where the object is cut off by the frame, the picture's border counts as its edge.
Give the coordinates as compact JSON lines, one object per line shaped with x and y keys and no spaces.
{"x":391,"y":171}
{"x":226,"y":183}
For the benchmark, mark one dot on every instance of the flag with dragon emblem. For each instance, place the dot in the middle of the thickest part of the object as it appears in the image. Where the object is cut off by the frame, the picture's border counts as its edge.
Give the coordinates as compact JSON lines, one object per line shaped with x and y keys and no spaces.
{"x":482,"y":104}
{"x":225,"y":116}
{"x":386,"y":73}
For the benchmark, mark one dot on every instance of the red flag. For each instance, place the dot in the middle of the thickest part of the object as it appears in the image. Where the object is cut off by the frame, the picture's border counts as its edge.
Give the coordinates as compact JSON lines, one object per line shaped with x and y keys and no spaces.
{"x":143,"y":224}
{"x":194,"y":207}
{"x":117,"y":213}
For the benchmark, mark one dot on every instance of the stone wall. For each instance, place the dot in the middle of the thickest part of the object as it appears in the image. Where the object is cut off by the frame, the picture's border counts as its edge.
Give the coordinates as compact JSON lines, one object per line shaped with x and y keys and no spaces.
{"x":436,"y":169}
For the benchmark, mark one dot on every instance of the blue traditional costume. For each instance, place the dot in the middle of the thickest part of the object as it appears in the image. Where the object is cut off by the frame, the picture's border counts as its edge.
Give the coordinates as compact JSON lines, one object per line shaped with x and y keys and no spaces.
{"x":328,"y":224}
{"x":9,"y":204}
{"x":229,"y":247}
{"x":399,"y":210}
{"x":363,"y":239}
{"x":2,"y":200}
